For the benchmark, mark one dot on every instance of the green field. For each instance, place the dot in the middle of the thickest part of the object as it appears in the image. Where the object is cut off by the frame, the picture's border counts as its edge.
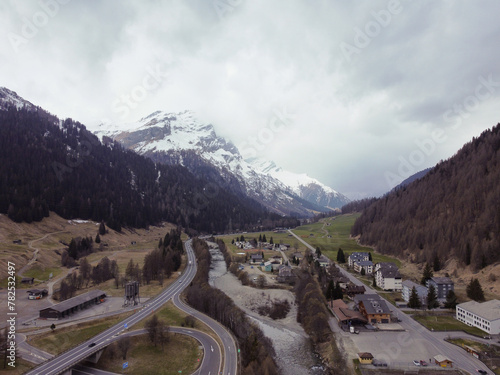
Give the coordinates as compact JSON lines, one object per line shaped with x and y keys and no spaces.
{"x":339,"y":230}
{"x":445,"y":323}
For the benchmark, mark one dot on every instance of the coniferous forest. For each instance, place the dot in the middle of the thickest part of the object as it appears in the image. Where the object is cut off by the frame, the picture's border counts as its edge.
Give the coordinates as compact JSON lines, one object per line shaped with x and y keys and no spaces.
{"x":47,"y":164}
{"x":453,"y":211}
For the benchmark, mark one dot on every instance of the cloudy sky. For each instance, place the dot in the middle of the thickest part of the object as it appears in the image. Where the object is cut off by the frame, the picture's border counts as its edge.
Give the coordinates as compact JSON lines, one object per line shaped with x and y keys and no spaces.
{"x":356,"y":94}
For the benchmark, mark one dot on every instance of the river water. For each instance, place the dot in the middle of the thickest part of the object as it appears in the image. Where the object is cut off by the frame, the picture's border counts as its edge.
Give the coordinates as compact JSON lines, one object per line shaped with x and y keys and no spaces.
{"x":294,"y":352}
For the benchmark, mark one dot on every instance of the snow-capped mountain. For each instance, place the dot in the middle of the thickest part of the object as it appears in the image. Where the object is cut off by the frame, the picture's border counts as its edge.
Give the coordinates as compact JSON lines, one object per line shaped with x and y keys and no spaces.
{"x":9,"y":98}
{"x":181,"y":139}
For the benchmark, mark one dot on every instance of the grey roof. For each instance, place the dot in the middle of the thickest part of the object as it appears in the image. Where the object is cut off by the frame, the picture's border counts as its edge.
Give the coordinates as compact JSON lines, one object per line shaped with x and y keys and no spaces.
{"x":388,"y":265}
{"x":365,"y":263}
{"x":78,"y":300}
{"x":442,"y":280}
{"x":410,"y":284}
{"x":389,"y":273}
{"x":358,"y":255}
{"x":373,"y":303}
{"x":489,"y":310}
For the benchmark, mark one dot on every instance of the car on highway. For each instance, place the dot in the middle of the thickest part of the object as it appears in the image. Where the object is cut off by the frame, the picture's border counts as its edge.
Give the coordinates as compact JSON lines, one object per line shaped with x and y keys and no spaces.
{"x":481,"y":371}
{"x":91,"y":345}
{"x":416,"y":363}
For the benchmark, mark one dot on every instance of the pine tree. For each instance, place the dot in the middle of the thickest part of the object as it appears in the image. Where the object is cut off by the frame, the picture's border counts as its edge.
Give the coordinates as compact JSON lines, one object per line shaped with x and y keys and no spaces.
{"x":102,"y":229}
{"x":97,"y":238}
{"x":451,"y":300}
{"x":318,"y":251}
{"x":475,"y":291}
{"x":130,"y":270}
{"x":427,"y":273}
{"x":414,"y":302}
{"x":363,"y":272}
{"x":264,"y":238}
{"x":330,"y":290}
{"x":370,"y":256}
{"x":260,"y":237}
{"x":338,"y":292}
{"x":436,"y":266}
{"x":271,"y":241}
{"x":432,"y":301}
{"x":340,"y":256}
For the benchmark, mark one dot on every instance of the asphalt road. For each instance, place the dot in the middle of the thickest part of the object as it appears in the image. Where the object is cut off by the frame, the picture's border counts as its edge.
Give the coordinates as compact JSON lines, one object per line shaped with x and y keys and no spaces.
{"x":71,"y":357}
{"x":416,"y":331}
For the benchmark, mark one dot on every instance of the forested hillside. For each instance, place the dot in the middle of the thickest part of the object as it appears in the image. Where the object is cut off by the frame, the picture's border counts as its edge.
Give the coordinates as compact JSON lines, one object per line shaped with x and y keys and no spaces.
{"x":52,"y":165}
{"x":453,"y":211}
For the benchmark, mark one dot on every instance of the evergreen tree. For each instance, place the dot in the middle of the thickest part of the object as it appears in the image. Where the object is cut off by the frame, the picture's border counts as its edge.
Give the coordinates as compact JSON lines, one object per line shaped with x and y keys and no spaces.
{"x":363,"y":272}
{"x":432,"y":301}
{"x":318,"y":251}
{"x":330,"y":290}
{"x":130,"y":270}
{"x":414,"y":302}
{"x":436,"y":266}
{"x":232,"y":241}
{"x":468,"y":254}
{"x":338,"y":292}
{"x":260,"y":237}
{"x":160,"y":243}
{"x":427,"y":273}
{"x":340,"y":256}
{"x":264,"y":238}
{"x":370,"y":256}
{"x":271,"y":241}
{"x":474,"y":290}
{"x":102,"y":229}
{"x":242,"y":238}
{"x":451,"y":300}
{"x":97,"y":238}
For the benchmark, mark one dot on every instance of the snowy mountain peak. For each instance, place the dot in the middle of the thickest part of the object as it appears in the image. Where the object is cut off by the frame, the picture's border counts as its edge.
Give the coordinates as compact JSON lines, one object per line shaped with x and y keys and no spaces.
{"x":9,"y":97}
{"x":180,"y":138}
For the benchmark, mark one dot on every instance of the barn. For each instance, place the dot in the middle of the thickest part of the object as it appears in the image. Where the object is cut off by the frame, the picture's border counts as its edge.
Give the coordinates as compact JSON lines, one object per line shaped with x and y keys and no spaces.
{"x":65,"y":308}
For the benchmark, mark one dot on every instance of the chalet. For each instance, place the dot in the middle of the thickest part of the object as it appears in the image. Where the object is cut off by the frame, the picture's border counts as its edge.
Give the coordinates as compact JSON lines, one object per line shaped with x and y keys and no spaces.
{"x":346,"y":316}
{"x":357,"y":257}
{"x":343,"y":282}
{"x":323,"y":261}
{"x":367,"y":265}
{"x":298,"y":255}
{"x":442,"y":285}
{"x":277,"y":258}
{"x":387,"y":276}
{"x":285,"y":275}
{"x":408,"y":286}
{"x":373,"y":307}
{"x":256,"y":258}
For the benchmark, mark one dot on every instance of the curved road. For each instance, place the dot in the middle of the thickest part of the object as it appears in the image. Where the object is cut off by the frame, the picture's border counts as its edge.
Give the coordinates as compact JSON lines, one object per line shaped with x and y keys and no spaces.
{"x":71,"y":357}
{"x":460,"y":357}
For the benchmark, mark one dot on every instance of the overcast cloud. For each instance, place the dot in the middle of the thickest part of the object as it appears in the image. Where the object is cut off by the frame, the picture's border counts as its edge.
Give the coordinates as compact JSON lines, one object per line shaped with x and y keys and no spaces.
{"x":378,"y":89}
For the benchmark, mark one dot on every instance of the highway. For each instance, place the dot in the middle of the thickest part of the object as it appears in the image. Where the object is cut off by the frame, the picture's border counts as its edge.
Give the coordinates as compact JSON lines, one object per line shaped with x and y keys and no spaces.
{"x":416,"y":331}
{"x":68,"y":359}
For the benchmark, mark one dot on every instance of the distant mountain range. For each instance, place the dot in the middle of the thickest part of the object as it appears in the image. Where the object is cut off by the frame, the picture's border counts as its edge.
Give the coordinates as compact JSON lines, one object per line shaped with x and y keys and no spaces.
{"x":181,"y":139}
{"x":48,"y":164}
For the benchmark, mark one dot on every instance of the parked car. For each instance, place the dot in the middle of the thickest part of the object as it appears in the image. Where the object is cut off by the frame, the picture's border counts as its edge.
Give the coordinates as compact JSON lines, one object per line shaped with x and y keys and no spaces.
{"x":379,"y":363}
{"x":423,"y":363}
{"x":416,"y":363}
{"x":481,"y":371}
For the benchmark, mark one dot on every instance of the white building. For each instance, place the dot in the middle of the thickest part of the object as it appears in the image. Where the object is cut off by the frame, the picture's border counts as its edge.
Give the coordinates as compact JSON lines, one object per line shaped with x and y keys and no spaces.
{"x":388,"y":277}
{"x":485,"y":316}
{"x":357,"y":257}
{"x":367,"y":265}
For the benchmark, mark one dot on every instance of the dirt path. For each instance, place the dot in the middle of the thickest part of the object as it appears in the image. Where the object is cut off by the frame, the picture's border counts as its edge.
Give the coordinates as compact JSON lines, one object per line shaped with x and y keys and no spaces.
{"x":36,"y":251}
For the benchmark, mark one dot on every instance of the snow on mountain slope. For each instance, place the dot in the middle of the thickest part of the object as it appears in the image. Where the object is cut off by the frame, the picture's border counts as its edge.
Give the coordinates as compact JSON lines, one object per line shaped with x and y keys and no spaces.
{"x":181,"y":139}
{"x":9,"y":97}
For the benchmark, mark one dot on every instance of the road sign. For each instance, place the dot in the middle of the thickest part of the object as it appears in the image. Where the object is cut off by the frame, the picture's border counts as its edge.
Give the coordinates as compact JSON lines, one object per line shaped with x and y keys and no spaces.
{"x":125,"y":365}
{"x":125,"y":325}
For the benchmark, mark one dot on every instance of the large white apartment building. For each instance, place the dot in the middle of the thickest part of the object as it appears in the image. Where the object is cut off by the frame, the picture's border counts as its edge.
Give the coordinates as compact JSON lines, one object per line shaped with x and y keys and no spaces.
{"x":485,"y":316}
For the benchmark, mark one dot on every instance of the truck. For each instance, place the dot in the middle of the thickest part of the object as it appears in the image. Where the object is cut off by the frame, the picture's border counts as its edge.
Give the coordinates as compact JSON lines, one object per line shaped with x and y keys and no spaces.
{"x":353,"y":330}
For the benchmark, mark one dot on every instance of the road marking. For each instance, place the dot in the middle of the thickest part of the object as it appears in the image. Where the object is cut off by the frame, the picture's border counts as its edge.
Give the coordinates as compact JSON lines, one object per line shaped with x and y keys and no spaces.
{"x":211,"y":347}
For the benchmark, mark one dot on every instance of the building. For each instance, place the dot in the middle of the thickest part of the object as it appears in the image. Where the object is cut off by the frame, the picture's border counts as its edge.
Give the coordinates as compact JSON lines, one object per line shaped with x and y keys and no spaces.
{"x":365,"y":358}
{"x":422,"y":291}
{"x":387,"y":276}
{"x":442,"y":285}
{"x":485,"y":316}
{"x":65,"y":308}
{"x":268,"y":267}
{"x":367,"y":265}
{"x":442,"y":361}
{"x":323,"y":261}
{"x":256,"y":258}
{"x":285,"y":275}
{"x":27,"y":280}
{"x":357,"y":257}
{"x":346,"y":316}
{"x":373,"y":308}
{"x":353,"y":290}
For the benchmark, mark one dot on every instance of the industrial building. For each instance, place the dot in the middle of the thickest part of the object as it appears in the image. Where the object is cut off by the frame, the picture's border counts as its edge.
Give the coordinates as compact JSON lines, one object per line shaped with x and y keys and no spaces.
{"x":65,"y":308}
